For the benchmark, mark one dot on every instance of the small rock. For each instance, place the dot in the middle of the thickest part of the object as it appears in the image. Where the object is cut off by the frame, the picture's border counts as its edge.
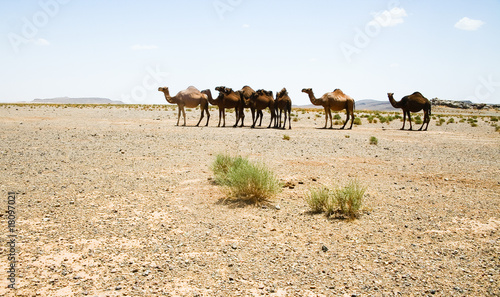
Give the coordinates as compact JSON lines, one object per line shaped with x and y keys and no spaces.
{"x":324,"y":249}
{"x":278,"y":207}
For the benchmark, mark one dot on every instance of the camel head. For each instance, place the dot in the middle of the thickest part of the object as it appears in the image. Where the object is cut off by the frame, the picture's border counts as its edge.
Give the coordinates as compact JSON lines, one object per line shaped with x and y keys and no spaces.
{"x":224,"y":90}
{"x":390,"y":94}
{"x":308,"y":90}
{"x":163,"y":89}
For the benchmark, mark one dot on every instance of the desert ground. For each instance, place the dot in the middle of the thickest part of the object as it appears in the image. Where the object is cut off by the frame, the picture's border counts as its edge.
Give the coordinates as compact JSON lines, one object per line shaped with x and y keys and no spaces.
{"x":118,"y":201}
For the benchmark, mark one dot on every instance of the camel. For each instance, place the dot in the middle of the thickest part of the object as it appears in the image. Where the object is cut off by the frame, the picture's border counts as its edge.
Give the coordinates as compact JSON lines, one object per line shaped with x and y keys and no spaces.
{"x":335,"y":101}
{"x":189,"y":98}
{"x":227,"y":99}
{"x":246,"y":93}
{"x":283,"y":103}
{"x":413,"y":103}
{"x":259,"y":101}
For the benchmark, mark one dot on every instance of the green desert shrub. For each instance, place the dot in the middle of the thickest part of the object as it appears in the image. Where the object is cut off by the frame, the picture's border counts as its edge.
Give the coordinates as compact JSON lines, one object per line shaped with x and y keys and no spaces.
{"x":373,"y":140}
{"x":337,"y":117}
{"x":494,"y":119}
{"x":418,"y":120}
{"x":450,"y":121}
{"x":318,"y":199}
{"x":286,"y":137}
{"x":245,"y":180}
{"x":345,"y":201}
{"x":349,"y":199}
{"x":357,"y":121}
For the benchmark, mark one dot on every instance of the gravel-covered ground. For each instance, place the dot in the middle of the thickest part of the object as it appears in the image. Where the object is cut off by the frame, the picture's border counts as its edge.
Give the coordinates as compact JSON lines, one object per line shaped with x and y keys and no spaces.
{"x":117,"y":201}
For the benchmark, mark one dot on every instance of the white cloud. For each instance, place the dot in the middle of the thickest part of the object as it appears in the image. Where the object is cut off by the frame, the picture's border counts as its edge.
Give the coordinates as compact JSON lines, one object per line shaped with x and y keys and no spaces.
{"x":469,"y":24}
{"x":390,"y":18}
{"x":40,"y":42}
{"x":141,"y":47}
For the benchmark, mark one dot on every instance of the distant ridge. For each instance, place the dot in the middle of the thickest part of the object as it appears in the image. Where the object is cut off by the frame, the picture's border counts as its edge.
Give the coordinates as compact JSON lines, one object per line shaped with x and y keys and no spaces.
{"x":68,"y":100}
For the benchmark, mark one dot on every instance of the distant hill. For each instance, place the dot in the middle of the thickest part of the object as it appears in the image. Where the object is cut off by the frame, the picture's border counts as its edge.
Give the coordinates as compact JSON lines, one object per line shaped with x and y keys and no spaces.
{"x":370,"y":104}
{"x":366,"y":104}
{"x":68,"y":100}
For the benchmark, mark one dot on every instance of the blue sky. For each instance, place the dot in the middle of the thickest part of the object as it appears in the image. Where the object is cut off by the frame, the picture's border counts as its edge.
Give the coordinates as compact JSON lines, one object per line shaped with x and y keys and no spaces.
{"x":124,"y":50}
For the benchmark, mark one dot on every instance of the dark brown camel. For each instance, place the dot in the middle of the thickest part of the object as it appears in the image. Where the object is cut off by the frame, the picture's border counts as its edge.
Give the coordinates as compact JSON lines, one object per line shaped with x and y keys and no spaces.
{"x":412,"y":103}
{"x":227,"y":99}
{"x":259,"y":101}
{"x":189,"y":98}
{"x":246,"y":93}
{"x":283,"y":103}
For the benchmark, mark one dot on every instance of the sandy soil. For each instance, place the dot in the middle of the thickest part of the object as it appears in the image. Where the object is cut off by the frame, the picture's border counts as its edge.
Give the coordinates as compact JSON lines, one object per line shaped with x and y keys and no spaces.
{"x":119,"y":201}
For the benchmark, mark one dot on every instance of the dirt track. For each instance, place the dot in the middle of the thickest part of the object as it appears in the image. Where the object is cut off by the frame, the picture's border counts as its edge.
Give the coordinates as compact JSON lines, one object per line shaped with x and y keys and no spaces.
{"x":118,"y":201}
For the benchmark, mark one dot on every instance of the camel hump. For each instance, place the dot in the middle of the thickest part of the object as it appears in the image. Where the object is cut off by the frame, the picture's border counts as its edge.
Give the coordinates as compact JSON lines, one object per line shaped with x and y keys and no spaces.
{"x":338,"y":92}
{"x":192,"y":89}
{"x":418,"y":94}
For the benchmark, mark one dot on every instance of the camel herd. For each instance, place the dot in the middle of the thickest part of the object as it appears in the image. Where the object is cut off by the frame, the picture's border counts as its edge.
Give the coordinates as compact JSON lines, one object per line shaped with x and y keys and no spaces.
{"x":259,"y":100}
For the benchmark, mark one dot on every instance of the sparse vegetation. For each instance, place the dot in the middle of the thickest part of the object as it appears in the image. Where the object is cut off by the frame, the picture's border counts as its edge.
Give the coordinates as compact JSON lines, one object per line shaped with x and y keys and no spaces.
{"x":373,"y":140}
{"x":440,"y":122}
{"x":244,"y":180}
{"x":450,"y":121}
{"x":418,"y":120}
{"x":286,"y":137}
{"x":357,"y":121}
{"x":345,"y":201}
{"x":318,"y":199}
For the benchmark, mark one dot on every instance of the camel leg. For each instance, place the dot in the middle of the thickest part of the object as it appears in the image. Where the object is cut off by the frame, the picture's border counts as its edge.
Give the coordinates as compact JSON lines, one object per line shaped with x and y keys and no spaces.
{"x":284,"y":122}
{"x":404,"y":120}
{"x":242,"y":117}
{"x":254,"y":120}
{"x":184,"y":115}
{"x":220,"y":116}
{"x":223,"y":117}
{"x":289,"y":119}
{"x":427,"y":114}
{"x":272,"y":118}
{"x":331,"y":118}
{"x":426,"y":121}
{"x":238,"y":116}
{"x":423,"y":122}
{"x":409,"y":120}
{"x":326,"y":118}
{"x":346,"y":119}
{"x":178,"y":116}
{"x":208,"y":115}
{"x":352,"y":118}
{"x":202,"y":115}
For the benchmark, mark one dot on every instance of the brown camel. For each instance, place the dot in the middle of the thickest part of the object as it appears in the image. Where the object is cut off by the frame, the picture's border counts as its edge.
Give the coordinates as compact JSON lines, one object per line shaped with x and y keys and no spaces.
{"x":413,"y":103}
{"x":246,"y":93}
{"x":283,"y":103}
{"x":259,"y":101}
{"x":189,"y":98}
{"x":227,"y":99}
{"x":335,"y":101}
